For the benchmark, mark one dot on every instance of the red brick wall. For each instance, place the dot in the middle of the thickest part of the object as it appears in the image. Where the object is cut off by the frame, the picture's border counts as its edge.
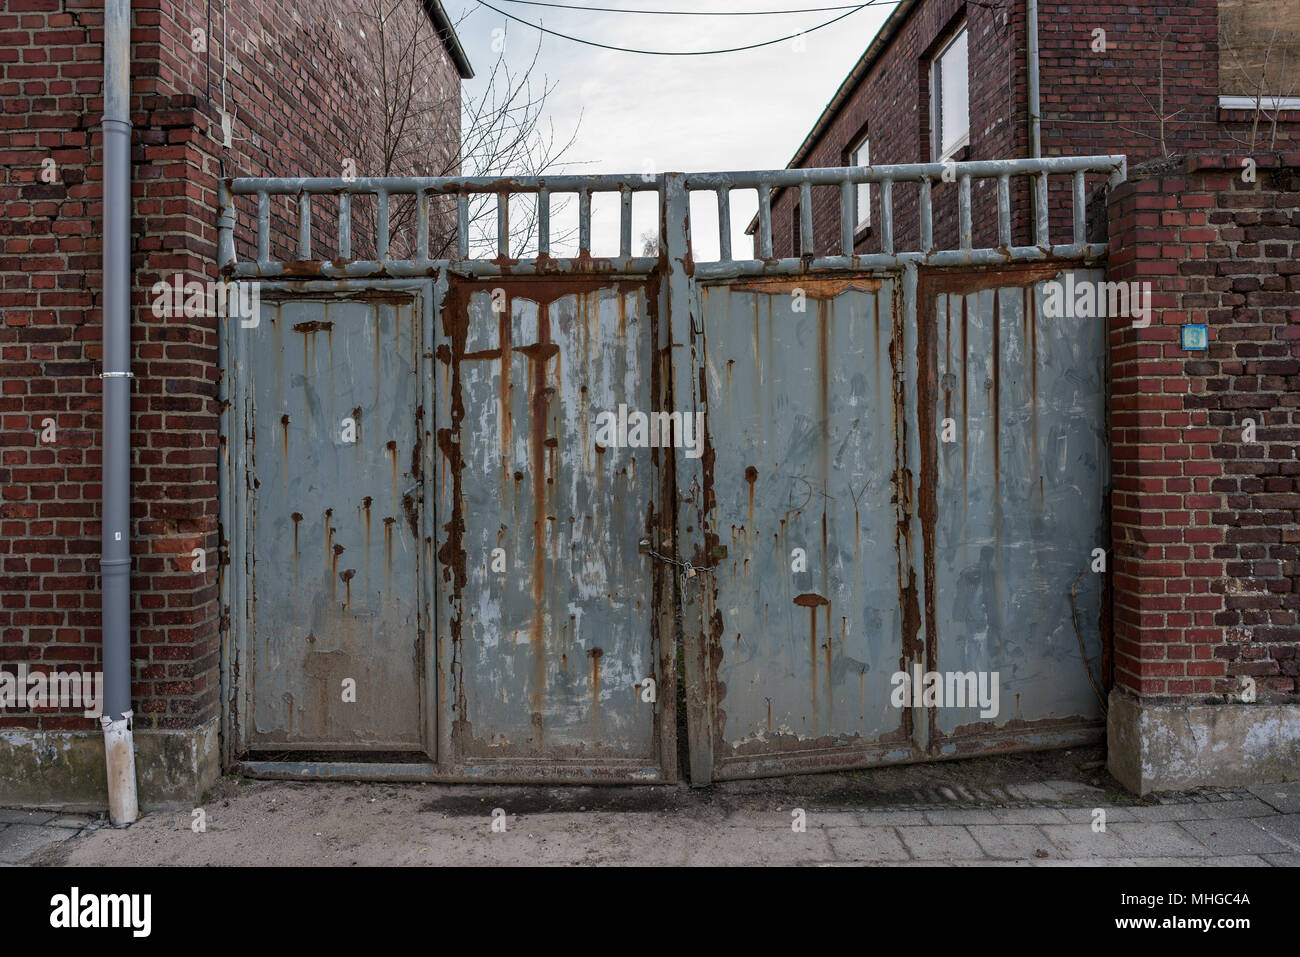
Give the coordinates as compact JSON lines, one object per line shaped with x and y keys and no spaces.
{"x":293,"y":76}
{"x":1206,"y":528}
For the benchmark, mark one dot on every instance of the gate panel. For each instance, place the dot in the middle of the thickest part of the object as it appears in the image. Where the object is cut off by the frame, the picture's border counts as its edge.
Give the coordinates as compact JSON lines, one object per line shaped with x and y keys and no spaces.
{"x":804,"y":381}
{"x":333,"y":441}
{"x":1021,"y":506}
{"x":546,"y":612}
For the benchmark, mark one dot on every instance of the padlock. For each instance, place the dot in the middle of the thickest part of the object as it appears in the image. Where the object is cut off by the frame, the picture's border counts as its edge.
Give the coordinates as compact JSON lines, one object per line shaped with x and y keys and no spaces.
{"x":690,"y":572}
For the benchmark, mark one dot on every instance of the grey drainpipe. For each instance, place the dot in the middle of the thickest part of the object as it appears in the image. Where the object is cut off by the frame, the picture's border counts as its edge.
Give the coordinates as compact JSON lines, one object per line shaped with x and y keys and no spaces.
{"x":1035,"y":128}
{"x":115,"y":554}
{"x":1035,"y":121}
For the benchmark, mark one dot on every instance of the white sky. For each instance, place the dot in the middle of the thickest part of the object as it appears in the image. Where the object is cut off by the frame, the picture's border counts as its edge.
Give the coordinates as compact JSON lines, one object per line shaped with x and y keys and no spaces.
{"x":733,"y":111}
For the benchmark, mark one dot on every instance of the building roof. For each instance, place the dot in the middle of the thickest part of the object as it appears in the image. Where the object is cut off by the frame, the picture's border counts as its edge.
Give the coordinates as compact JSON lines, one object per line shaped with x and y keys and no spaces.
{"x":447,"y":33}
{"x":879,"y":43}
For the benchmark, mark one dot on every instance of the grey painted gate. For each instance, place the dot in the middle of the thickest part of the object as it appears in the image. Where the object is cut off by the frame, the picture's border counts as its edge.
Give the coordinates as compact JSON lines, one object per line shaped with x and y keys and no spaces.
{"x":901,"y":466}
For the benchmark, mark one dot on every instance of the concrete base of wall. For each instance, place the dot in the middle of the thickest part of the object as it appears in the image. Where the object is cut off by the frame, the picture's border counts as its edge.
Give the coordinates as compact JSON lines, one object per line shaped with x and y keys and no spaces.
{"x":1175,"y":747}
{"x":65,"y":769}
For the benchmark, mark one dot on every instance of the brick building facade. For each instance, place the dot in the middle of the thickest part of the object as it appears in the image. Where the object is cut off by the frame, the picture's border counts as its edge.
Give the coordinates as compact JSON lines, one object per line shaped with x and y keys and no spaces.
{"x":299,"y":91}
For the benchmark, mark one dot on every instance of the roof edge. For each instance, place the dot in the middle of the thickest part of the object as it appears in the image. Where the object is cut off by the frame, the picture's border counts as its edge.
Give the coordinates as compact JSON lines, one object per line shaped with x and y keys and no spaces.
{"x":884,"y":36}
{"x":447,"y":33}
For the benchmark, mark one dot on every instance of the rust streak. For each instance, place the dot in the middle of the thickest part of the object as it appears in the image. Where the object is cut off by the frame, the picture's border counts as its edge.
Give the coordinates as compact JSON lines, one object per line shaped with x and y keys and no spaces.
{"x":538,"y":353}
{"x":751,"y":476}
{"x":595,"y":655}
{"x":389,"y":522}
{"x":505,"y":394}
{"x":812,"y":602}
{"x":297,"y":517}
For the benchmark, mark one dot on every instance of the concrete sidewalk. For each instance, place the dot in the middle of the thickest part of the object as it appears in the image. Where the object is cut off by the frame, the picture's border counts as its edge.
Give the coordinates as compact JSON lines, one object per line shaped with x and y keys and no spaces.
{"x":1048,"y":823}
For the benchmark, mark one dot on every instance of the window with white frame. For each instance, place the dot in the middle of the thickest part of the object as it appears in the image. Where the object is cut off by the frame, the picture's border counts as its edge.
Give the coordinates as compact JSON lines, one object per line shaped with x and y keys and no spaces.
{"x":860,"y":155}
{"x":949,"y":98}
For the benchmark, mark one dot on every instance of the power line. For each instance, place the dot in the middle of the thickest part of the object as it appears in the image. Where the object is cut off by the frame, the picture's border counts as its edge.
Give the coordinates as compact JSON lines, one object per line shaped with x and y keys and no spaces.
{"x":617,"y":49}
{"x":697,"y":13}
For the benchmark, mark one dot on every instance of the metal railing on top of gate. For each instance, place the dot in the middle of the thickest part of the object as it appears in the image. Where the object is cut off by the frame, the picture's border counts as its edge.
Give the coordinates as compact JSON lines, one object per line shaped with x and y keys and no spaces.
{"x":665,"y":184}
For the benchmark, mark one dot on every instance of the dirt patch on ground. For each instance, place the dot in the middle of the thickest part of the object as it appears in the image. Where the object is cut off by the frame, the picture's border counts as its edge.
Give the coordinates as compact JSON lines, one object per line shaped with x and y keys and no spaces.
{"x":299,"y":823}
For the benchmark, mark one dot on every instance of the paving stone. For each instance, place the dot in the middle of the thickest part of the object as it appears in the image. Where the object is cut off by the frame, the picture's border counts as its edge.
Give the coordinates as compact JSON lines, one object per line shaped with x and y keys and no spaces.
{"x":1011,"y":841}
{"x":784,"y":818}
{"x":1158,"y":840}
{"x":940,"y":843}
{"x":866,"y":844}
{"x":1234,"y":836}
{"x":1182,"y":862}
{"x":1236,"y":860}
{"x":1080,"y":841}
{"x":9,"y":816}
{"x":1250,"y":807}
{"x":988,"y":863}
{"x":954,"y":816}
{"x":1170,"y":812}
{"x":1033,"y":792}
{"x":1084,"y":862}
{"x":1282,"y":797}
{"x":1083,"y":815}
{"x":20,"y":841}
{"x":1029,"y":815}
{"x":890,"y":818}
{"x":726,"y":845}
{"x":1283,"y":860}
{"x":1285,"y":827}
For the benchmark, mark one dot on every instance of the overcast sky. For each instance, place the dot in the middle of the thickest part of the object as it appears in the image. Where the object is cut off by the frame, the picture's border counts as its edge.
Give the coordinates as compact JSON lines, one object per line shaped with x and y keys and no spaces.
{"x":733,"y":111}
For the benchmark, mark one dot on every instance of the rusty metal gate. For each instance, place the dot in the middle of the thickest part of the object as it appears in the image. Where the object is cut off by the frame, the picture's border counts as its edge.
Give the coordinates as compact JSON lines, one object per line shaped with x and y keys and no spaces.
{"x":449,"y":554}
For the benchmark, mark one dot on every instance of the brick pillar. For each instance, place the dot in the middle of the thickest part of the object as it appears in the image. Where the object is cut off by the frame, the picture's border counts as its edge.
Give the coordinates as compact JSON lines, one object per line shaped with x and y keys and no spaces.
{"x":1206,"y":476}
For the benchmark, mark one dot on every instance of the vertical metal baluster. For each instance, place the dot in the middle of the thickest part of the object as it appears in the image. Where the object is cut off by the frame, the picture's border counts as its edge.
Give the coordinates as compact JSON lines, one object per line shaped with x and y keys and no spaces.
{"x":1080,"y":211}
{"x":462,"y":226}
{"x":381,"y":226}
{"x":963,"y":210}
{"x":345,"y":226}
{"x":887,"y":216}
{"x":304,"y":226}
{"x":1004,"y":211}
{"x":764,"y":221}
{"x":584,"y":223}
{"x":422,"y":226}
{"x":543,"y":223}
{"x":848,"y":221}
{"x":263,"y":226}
{"x":503,"y":224}
{"x":625,"y":221}
{"x":1040,"y":227}
{"x":724,"y":224}
{"x":805,"y":220}
{"x":927,"y":220}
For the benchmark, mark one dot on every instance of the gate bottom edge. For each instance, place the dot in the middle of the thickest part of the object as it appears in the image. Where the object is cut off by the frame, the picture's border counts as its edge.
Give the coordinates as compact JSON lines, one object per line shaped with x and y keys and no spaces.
{"x":431,"y":773}
{"x":741,"y":767}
